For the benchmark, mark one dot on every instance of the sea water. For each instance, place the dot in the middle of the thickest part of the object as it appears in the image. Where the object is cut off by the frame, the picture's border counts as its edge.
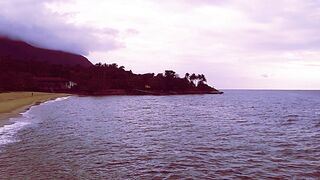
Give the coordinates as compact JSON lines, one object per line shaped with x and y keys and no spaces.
{"x":240,"y":134}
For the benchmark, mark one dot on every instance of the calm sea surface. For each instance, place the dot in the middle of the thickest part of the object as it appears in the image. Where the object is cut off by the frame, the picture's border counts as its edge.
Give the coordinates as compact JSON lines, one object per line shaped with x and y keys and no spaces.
{"x":237,"y":135}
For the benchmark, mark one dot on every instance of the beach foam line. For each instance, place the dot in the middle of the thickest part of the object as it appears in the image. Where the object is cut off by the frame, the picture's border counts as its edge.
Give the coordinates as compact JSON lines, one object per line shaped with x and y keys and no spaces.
{"x":56,"y":100}
{"x":8,"y":132}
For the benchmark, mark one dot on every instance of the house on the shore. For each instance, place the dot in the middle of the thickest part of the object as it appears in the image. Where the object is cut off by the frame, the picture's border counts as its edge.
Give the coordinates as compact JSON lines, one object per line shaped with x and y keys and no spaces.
{"x":53,"y":84}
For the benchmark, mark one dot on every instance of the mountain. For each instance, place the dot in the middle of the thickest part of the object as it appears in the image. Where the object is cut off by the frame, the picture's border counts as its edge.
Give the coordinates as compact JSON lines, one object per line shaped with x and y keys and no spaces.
{"x":19,"y":50}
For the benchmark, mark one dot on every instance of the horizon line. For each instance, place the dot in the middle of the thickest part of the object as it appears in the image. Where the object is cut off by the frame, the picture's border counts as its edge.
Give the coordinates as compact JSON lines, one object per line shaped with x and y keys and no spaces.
{"x":268,"y":89}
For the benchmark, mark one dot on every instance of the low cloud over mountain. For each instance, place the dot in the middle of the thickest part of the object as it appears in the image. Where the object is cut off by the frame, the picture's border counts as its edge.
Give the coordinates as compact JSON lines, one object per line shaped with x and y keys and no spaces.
{"x":32,"y":21}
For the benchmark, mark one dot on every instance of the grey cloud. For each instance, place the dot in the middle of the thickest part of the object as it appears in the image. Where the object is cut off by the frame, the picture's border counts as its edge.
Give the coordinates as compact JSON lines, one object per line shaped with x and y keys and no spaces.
{"x":290,"y":25}
{"x":313,"y":65}
{"x":132,"y":31}
{"x":31,"y":21}
{"x":272,"y":26}
{"x":206,"y":2}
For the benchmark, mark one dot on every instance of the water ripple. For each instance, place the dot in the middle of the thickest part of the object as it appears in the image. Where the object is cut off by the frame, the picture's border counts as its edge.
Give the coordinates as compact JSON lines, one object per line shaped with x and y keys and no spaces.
{"x":239,"y":135}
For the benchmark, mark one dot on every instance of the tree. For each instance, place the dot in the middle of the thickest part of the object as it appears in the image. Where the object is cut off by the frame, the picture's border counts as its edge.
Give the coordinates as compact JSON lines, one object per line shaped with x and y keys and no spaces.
{"x":186,"y":76}
{"x":202,"y":79}
{"x":170,"y":74}
{"x":193,"y":77}
{"x":98,"y":64}
{"x":160,"y":75}
{"x":114,"y":65}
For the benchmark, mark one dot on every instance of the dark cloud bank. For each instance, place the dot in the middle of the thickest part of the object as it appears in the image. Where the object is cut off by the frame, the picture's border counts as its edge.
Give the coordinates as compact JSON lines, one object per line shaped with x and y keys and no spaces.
{"x":31,"y":21}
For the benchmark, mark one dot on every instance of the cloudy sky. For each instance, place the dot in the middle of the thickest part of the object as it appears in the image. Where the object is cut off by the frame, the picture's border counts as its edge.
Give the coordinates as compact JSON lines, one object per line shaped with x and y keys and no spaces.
{"x":272,"y":44}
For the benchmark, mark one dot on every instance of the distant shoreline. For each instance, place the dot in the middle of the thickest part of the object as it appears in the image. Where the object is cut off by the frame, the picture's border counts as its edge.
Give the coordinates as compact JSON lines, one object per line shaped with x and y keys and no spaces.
{"x":138,"y":92}
{"x":14,"y":103}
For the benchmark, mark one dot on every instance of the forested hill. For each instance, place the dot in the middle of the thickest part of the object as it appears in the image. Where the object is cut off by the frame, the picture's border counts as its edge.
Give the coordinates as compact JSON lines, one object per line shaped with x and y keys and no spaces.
{"x":26,"y":68}
{"x":19,"y":50}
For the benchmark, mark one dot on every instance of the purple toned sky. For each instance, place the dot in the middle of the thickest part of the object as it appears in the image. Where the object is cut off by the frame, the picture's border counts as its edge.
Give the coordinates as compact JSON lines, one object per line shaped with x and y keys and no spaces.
{"x":272,"y":44}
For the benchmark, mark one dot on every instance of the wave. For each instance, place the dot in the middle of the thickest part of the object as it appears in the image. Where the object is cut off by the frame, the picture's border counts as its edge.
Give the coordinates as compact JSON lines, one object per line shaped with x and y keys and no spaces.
{"x":8,"y":132}
{"x":57,"y":100}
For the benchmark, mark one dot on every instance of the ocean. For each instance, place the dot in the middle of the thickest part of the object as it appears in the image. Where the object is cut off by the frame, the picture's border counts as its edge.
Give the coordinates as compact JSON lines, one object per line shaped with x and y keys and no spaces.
{"x":242,"y":134}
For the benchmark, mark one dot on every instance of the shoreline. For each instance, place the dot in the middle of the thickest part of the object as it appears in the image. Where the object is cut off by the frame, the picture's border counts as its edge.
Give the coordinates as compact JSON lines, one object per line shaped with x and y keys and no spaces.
{"x":12,"y":104}
{"x":139,"y":92}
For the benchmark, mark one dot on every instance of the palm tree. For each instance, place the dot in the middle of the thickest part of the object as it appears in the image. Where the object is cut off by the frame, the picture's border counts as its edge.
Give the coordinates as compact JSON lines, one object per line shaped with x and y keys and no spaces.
{"x":193,"y":77}
{"x":170,"y":74}
{"x":186,"y":76}
{"x":202,"y":78}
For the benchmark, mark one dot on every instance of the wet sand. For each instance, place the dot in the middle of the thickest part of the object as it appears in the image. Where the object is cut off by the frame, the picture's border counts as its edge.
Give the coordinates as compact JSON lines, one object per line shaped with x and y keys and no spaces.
{"x":14,"y":103}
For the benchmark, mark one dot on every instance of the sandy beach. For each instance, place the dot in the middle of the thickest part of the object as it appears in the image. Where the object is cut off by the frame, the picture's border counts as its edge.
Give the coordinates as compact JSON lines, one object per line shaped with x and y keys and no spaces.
{"x":13,"y":103}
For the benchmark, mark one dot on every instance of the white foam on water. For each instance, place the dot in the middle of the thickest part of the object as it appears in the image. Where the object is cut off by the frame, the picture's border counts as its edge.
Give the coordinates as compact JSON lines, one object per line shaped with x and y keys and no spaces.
{"x":57,"y":100}
{"x":8,"y":132}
